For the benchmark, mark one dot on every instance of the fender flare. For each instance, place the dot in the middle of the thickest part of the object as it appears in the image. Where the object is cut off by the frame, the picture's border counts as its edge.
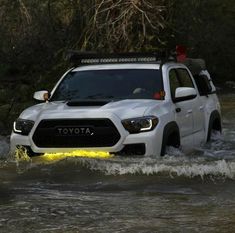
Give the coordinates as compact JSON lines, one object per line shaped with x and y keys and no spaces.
{"x":215,"y":115}
{"x":169,"y":129}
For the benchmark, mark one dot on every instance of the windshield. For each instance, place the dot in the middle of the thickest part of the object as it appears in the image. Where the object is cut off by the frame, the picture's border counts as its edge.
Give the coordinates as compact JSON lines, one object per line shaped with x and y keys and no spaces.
{"x":109,"y":84}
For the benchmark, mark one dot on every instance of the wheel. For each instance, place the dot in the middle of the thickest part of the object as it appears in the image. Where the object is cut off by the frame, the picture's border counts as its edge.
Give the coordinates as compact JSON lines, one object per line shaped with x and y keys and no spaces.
{"x":212,"y":130}
{"x":214,"y":126}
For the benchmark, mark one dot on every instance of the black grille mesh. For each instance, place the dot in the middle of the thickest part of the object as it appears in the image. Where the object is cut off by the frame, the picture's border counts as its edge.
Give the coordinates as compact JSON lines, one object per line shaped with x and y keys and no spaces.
{"x":105,"y":134}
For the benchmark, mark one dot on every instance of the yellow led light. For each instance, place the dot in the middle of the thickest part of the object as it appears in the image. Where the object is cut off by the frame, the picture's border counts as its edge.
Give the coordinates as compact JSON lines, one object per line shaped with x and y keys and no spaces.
{"x":77,"y":153}
{"x":22,"y":156}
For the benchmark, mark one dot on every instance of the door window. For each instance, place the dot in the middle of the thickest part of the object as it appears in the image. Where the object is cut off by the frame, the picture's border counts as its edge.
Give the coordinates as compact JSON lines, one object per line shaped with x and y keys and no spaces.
{"x":184,"y":78}
{"x":179,"y":78}
{"x":203,"y":84}
{"x":174,"y":82}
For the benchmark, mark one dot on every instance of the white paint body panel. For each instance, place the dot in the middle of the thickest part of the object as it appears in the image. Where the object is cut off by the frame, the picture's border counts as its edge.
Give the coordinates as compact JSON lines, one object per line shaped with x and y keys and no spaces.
{"x":192,"y":120}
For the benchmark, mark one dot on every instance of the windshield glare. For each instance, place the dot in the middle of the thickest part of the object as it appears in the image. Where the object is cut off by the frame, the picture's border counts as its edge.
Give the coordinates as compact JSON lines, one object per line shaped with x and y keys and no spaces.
{"x":109,"y":84}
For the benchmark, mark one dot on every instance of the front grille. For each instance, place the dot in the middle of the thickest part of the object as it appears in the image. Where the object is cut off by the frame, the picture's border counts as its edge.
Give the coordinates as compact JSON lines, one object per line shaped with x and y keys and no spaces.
{"x":104,"y":134}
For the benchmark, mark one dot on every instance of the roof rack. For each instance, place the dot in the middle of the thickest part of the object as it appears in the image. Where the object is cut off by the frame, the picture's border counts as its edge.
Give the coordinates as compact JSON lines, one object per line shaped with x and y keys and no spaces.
{"x":195,"y":65}
{"x":90,"y":58}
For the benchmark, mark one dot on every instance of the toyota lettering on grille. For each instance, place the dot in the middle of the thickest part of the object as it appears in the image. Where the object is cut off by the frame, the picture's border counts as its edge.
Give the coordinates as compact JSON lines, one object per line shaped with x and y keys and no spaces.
{"x":75,"y":131}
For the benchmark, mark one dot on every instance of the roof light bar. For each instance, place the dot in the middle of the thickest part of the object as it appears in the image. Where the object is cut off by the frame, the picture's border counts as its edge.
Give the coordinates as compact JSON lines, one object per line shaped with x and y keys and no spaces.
{"x":118,"y":60}
{"x":95,"y":58}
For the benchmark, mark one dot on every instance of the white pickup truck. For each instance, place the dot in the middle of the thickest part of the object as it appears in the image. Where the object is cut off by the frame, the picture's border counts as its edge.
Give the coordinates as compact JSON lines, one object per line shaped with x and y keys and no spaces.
{"x":126,"y":104}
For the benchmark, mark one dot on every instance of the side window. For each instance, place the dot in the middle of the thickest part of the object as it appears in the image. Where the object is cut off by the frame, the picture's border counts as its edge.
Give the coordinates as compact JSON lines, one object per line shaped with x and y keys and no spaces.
{"x":203,"y":84}
{"x":184,"y":78}
{"x":174,"y":82}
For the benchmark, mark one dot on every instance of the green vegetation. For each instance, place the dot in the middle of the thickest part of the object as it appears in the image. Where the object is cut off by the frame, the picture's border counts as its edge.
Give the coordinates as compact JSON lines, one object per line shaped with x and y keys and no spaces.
{"x":35,"y":34}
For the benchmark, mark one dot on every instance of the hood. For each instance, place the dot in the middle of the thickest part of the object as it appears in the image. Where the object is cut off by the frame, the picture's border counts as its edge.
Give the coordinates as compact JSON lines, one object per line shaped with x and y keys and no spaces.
{"x":123,"y":109}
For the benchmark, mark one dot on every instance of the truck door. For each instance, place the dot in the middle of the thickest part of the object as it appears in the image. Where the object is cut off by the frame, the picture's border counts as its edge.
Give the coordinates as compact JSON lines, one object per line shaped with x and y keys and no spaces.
{"x":183,"y":109}
{"x":197,"y":104}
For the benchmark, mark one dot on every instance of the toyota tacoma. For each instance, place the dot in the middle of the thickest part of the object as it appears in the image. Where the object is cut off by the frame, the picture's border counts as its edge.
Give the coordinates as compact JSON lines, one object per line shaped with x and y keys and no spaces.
{"x":125,"y":104}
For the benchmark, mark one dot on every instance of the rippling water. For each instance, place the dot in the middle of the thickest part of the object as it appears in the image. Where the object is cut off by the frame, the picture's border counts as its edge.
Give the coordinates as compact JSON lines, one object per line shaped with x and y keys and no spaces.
{"x":192,"y":192}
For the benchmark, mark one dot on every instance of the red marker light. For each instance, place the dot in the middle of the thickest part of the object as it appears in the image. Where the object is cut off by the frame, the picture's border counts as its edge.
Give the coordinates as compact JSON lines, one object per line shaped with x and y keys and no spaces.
{"x":159,"y":95}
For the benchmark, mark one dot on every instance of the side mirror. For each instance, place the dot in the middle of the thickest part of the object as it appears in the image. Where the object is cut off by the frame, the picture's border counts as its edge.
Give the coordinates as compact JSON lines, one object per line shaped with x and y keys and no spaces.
{"x":41,"y":95}
{"x":185,"y":93}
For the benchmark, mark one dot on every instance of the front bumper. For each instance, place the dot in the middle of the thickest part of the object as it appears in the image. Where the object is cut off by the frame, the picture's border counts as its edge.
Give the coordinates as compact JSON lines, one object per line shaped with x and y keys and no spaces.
{"x":145,"y":143}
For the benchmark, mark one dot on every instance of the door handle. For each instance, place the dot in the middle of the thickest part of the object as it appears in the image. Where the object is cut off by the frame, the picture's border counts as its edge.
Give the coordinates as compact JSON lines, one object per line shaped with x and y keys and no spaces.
{"x":201,"y":108}
{"x":190,"y":111}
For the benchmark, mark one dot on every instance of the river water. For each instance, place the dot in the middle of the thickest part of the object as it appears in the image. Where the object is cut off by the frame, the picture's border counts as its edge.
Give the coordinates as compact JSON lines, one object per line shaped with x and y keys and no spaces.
{"x":192,"y":192}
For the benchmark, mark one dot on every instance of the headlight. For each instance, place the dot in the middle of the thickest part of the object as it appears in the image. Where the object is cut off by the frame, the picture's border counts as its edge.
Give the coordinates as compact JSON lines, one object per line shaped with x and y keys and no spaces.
{"x":23,"y":126}
{"x":141,"y":124}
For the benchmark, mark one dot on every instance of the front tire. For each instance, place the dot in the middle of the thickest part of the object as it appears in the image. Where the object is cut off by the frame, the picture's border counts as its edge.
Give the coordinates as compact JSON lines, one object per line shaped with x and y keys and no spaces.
{"x":171,"y":137}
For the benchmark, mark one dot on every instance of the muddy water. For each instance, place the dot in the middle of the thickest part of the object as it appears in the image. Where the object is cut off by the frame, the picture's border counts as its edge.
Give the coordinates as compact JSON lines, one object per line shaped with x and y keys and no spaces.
{"x":192,"y":192}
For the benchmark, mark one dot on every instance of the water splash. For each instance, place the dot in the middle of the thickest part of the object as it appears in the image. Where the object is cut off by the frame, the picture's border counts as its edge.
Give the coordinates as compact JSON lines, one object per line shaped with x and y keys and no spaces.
{"x":168,"y":166}
{"x":21,"y":155}
{"x":216,"y":158}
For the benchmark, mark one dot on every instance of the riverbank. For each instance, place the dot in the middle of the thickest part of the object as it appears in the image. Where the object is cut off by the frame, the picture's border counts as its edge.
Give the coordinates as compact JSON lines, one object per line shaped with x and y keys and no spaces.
{"x":15,"y":95}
